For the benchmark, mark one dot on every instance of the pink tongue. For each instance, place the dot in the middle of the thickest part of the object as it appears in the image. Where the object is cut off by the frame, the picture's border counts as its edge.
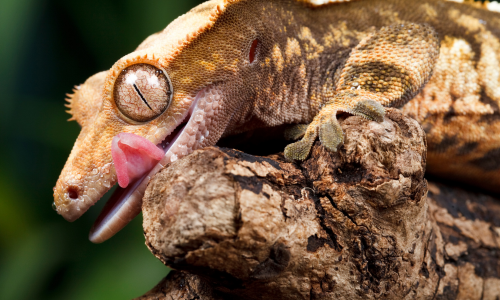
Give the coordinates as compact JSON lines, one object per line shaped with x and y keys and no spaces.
{"x":133,"y":157}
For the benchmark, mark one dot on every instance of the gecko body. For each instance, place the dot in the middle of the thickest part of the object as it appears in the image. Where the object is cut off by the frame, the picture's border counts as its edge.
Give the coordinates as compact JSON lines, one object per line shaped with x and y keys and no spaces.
{"x":227,"y":67}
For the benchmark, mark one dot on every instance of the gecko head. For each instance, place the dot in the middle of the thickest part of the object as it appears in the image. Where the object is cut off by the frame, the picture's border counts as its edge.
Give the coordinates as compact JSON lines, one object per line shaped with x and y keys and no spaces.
{"x":154,"y":105}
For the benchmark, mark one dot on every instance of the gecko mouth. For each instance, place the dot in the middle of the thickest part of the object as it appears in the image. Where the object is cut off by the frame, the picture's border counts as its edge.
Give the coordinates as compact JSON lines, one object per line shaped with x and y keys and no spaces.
{"x":125,"y":203}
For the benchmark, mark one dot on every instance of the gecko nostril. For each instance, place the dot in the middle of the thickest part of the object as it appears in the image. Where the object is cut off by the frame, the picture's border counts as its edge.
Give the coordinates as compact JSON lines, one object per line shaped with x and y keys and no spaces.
{"x":72,"y":193}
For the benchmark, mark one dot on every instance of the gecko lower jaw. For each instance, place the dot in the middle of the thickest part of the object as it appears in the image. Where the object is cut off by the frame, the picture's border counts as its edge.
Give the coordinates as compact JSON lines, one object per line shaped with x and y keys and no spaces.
{"x":125,"y":203}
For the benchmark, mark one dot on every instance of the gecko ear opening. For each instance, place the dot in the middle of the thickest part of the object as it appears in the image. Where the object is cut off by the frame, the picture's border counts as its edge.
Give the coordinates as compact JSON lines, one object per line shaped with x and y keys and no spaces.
{"x":142,"y":92}
{"x":253,"y":51}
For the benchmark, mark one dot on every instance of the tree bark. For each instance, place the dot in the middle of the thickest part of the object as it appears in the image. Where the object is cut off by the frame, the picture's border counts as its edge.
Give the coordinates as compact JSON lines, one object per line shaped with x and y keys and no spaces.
{"x":355,"y":224}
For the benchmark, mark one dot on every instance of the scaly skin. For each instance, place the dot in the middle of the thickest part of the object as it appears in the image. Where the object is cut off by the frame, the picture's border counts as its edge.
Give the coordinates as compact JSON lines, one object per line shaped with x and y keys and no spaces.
{"x":269,"y":63}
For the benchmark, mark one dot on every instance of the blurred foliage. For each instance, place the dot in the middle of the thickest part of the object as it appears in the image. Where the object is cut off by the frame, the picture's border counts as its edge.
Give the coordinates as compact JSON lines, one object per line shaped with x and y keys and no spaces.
{"x":47,"y":47}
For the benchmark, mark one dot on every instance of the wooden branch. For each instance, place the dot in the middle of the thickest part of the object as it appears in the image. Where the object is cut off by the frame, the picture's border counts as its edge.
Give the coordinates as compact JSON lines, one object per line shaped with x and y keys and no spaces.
{"x":348,"y":225}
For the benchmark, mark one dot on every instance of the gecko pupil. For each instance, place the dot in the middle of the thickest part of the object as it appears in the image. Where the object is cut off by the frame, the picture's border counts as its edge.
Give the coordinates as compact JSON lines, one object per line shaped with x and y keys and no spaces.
{"x":253,"y":50}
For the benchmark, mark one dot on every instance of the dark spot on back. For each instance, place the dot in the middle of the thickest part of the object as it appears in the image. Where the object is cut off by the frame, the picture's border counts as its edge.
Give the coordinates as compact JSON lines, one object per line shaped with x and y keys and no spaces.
{"x":489,"y":118}
{"x":445,"y":144}
{"x":490,"y":161}
{"x":470,"y":205}
{"x":467,"y":148}
{"x":487,"y":100}
{"x":447,"y":118}
{"x":332,"y":64}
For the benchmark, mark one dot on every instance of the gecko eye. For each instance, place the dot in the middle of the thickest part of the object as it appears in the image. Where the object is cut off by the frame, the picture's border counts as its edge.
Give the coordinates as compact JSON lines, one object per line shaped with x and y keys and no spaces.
{"x":142,"y":92}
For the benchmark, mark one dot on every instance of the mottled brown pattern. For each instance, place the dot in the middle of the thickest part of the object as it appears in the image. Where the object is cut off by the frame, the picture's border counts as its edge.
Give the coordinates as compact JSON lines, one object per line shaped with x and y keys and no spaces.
{"x":393,"y":64}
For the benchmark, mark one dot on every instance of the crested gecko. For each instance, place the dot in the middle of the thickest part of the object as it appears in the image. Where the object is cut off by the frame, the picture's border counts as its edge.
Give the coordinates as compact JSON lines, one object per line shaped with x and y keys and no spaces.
{"x":230,"y":66}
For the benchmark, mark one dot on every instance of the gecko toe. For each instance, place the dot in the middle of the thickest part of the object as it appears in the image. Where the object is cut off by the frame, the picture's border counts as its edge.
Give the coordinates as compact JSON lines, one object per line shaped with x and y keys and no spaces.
{"x":300,"y":150}
{"x":370,"y":109}
{"x":330,"y":134}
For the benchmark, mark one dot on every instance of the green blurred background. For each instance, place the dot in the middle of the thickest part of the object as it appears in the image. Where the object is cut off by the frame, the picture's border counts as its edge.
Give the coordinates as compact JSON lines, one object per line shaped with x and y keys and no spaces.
{"x":47,"y":47}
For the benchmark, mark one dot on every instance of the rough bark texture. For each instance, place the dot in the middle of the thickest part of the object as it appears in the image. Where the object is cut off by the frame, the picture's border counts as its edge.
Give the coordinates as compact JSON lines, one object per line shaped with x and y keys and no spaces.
{"x":355,"y":224}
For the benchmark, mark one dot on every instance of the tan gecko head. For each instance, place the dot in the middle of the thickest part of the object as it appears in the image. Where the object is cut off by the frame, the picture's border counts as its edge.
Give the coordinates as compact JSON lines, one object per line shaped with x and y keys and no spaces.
{"x":168,"y":92}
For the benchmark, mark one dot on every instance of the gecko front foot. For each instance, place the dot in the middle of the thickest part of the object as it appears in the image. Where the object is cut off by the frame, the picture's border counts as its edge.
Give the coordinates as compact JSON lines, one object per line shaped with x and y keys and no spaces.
{"x":325,"y":125}
{"x":387,"y":68}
